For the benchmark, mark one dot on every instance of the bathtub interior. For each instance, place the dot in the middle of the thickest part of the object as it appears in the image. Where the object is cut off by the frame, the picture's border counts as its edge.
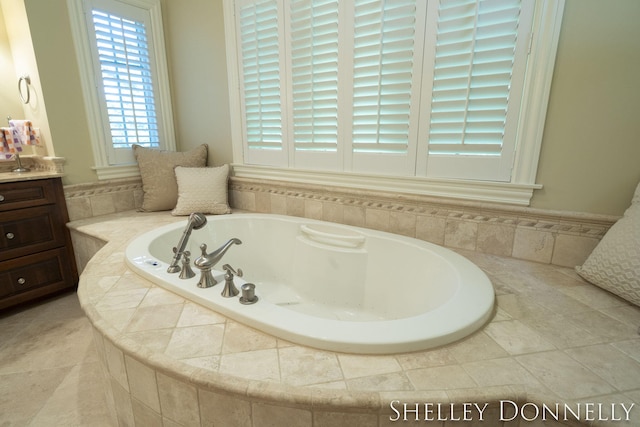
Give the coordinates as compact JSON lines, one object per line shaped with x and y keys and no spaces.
{"x":338,"y":273}
{"x":329,"y":286}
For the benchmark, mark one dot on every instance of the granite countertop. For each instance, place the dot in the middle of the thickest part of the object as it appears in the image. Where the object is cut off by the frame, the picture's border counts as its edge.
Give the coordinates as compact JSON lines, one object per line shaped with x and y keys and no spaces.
{"x":28,"y":176}
{"x":40,"y":167}
{"x":554,"y":338}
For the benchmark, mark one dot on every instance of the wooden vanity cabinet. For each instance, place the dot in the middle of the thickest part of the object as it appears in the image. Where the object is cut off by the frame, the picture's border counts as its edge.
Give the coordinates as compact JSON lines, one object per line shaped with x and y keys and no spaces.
{"x":36,"y":256}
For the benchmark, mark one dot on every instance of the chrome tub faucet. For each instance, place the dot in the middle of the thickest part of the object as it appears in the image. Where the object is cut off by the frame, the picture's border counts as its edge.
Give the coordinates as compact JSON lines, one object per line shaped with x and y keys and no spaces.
{"x":205,"y":262}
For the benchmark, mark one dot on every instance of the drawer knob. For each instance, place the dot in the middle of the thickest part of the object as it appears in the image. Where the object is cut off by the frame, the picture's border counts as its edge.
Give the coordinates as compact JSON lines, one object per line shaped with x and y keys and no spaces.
{"x":10,"y":236}
{"x":22,"y":281}
{"x":1,"y":198}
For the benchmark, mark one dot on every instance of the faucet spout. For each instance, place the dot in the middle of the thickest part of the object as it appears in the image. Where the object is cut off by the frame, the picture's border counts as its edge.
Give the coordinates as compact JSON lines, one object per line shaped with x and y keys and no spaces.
{"x":207,"y":261}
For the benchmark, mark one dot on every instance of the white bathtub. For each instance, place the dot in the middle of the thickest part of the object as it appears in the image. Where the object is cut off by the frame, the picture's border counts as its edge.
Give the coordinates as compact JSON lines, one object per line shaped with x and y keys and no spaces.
{"x":329,"y":286}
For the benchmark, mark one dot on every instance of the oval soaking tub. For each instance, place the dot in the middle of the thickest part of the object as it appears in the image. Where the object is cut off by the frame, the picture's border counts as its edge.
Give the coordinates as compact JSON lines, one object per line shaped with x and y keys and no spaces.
{"x":326,"y":285}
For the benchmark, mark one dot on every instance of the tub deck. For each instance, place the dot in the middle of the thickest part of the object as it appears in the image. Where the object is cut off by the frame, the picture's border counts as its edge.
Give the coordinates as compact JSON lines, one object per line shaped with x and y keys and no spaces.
{"x":554,"y":338}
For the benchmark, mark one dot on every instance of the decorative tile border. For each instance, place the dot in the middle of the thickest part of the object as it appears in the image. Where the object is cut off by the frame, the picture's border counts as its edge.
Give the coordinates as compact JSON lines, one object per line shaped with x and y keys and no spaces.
{"x":568,"y":222}
{"x":560,"y":238}
{"x":552,"y":237}
{"x":104,"y":197}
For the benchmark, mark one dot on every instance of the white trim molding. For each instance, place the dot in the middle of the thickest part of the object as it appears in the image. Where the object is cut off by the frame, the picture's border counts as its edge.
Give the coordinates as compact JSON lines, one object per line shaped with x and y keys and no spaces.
{"x":114,"y":172}
{"x":542,"y":58}
{"x":495,"y":192}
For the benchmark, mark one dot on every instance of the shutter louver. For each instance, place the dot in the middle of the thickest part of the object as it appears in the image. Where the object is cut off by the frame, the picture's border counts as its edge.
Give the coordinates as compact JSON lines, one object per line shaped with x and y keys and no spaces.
{"x":475,"y":51}
{"x":261,"y":75}
{"x":125,"y":69}
{"x":314,"y":63}
{"x":383,"y":71}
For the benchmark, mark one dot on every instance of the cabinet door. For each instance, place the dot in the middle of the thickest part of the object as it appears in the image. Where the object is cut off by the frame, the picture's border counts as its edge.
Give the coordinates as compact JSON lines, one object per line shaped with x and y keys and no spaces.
{"x":25,"y":231}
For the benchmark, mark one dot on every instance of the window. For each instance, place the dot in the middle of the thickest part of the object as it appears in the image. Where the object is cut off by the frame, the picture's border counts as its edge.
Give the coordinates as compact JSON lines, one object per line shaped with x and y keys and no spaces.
{"x":123,"y":68}
{"x":127,"y":83}
{"x":430,"y":90}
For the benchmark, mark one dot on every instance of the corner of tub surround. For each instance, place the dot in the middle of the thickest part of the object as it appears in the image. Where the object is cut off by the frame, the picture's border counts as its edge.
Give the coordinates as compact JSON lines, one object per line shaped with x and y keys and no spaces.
{"x":89,"y":235}
{"x":551,"y":237}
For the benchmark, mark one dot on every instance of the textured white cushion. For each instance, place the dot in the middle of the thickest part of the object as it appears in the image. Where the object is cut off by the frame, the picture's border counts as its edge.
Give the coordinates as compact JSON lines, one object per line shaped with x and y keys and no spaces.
{"x":614,"y":264}
{"x":202,"y":190}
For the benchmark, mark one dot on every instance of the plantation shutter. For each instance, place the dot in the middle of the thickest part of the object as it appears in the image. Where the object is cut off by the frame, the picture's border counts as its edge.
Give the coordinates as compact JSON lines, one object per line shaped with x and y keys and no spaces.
{"x":314,"y":82}
{"x":126,"y":74}
{"x":477,"y":46}
{"x":260,"y":46}
{"x":387,"y":55}
{"x":314,"y":74}
{"x":403,"y":87}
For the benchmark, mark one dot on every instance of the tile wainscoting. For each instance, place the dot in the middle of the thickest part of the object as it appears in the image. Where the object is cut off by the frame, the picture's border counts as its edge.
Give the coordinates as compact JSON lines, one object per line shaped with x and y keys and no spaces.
{"x":558,"y":238}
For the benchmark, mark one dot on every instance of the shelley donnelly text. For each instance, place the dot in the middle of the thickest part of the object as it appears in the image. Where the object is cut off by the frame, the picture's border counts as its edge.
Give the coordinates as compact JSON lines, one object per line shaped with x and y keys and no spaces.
{"x":510,"y":410}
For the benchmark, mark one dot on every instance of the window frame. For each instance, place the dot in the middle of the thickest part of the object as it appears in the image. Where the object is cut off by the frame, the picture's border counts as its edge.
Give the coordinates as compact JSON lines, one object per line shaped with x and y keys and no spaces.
{"x":519,"y":190}
{"x":97,"y":122}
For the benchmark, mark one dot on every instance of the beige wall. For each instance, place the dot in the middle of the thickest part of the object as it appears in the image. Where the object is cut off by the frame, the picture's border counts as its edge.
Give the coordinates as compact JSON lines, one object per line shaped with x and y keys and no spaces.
{"x":194,"y":31}
{"x":60,"y":79}
{"x":590,"y":151}
{"x":25,"y":64}
{"x":591,"y":146}
{"x":9,"y":99}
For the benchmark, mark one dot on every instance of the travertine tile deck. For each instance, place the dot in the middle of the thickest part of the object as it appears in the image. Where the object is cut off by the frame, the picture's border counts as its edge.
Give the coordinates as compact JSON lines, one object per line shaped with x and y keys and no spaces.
{"x":553,"y":339}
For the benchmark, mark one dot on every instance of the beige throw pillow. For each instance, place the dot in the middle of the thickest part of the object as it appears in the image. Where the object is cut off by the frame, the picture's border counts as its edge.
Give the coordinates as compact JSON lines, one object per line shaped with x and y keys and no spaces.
{"x":202,"y":190}
{"x":614,"y":264}
{"x":158,"y":178}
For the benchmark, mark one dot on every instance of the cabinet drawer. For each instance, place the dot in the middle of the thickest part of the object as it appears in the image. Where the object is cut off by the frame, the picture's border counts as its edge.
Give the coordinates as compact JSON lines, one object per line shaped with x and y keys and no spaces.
{"x":34,"y":275}
{"x":24,"y":231}
{"x":24,"y":194}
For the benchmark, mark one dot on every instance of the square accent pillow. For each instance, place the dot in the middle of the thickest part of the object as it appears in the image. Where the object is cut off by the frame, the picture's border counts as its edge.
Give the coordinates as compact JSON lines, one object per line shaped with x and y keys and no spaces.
{"x":158,"y":178}
{"x":202,"y":190}
{"x":614,"y":264}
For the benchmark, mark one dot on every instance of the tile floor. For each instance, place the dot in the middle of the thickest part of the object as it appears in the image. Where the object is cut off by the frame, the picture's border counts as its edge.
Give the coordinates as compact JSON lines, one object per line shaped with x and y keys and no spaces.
{"x":49,"y":370}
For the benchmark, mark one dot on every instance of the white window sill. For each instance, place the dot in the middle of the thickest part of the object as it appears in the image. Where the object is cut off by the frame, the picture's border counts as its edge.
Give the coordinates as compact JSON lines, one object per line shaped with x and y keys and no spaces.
{"x":115,"y":172}
{"x":483,"y":191}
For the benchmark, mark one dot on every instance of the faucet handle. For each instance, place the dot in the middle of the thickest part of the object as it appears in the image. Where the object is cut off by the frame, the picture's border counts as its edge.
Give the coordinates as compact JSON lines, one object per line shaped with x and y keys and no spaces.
{"x":230,"y":289}
{"x":187,"y":272}
{"x":230,"y":269}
